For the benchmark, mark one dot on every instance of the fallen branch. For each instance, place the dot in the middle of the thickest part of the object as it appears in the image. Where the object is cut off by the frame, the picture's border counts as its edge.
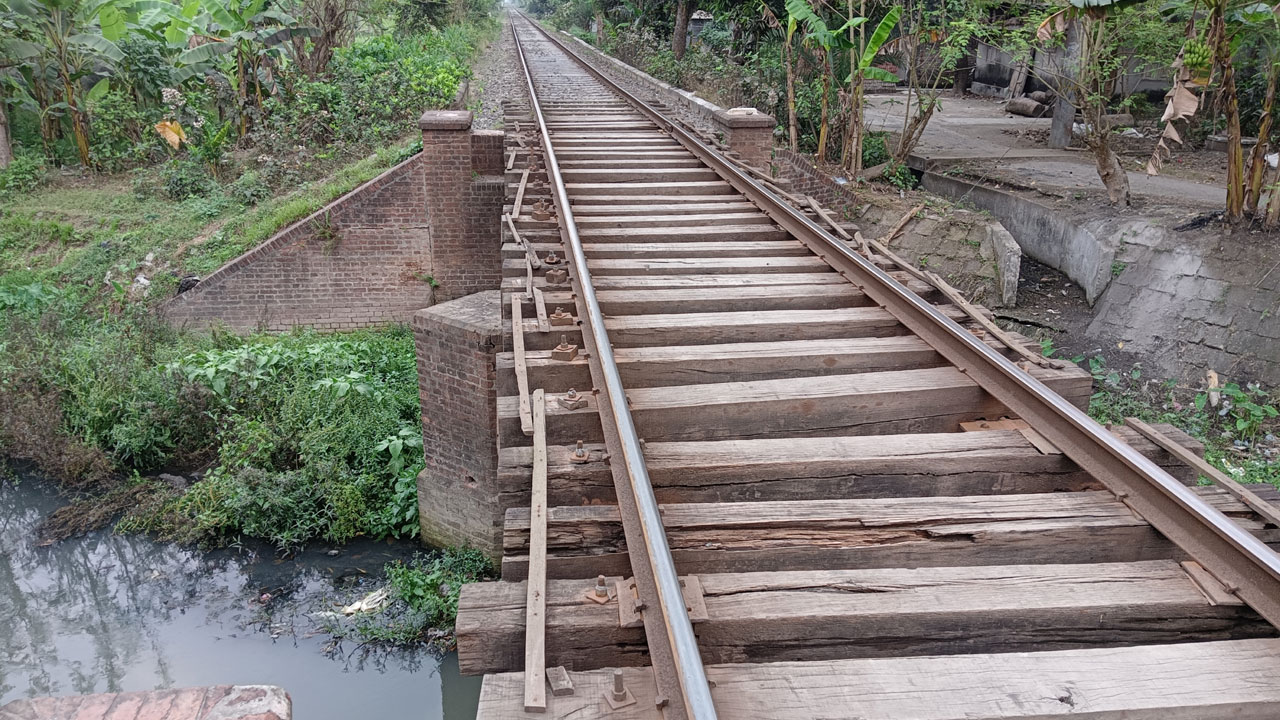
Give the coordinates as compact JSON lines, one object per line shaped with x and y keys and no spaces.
{"x":897,"y":228}
{"x":857,"y":236}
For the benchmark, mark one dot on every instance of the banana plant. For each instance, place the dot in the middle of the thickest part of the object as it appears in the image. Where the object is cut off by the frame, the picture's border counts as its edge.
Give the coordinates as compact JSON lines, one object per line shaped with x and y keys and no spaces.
{"x":827,"y":41}
{"x":68,"y":38}
{"x":251,"y":35}
{"x":861,"y":70}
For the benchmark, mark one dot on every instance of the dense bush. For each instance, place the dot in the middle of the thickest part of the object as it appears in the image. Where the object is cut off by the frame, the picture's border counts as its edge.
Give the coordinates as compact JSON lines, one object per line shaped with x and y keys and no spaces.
{"x":183,"y":178}
{"x":307,"y":435}
{"x":26,"y":172}
{"x":299,"y":425}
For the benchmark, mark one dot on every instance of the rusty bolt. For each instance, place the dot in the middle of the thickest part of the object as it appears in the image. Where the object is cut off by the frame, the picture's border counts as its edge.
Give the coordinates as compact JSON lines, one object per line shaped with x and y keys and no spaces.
{"x":564,"y":351}
{"x":560,"y":317}
{"x":540,"y":211}
{"x":580,"y":454}
{"x":572,"y":400}
{"x":551,"y":259}
{"x":557,"y":276}
{"x":602,"y":590}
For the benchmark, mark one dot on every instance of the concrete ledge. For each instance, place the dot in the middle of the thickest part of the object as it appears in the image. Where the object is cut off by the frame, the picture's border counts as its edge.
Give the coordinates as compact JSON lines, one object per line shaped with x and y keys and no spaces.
{"x":220,"y":702}
{"x":445,"y":120}
{"x":745,"y":117}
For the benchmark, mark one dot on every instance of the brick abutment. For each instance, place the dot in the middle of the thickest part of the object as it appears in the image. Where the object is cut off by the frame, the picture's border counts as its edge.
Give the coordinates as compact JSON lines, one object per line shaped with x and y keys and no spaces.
{"x":424,"y":231}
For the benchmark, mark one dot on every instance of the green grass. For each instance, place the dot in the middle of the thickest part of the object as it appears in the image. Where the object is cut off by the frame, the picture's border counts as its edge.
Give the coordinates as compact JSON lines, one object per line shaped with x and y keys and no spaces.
{"x":89,"y":231}
{"x":1238,"y":433}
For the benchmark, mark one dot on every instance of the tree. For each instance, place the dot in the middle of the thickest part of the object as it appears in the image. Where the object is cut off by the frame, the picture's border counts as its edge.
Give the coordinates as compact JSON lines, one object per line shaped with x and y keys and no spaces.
{"x":1113,"y":37}
{"x":680,"y":36}
{"x":69,"y":38}
{"x":252,"y":35}
{"x":826,"y":41}
{"x":1208,"y":55}
{"x":861,"y":69}
{"x":933,"y":39}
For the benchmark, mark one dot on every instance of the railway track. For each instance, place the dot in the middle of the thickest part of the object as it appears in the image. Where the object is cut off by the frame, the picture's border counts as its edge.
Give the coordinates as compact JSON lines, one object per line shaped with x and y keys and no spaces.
{"x":754,"y":473}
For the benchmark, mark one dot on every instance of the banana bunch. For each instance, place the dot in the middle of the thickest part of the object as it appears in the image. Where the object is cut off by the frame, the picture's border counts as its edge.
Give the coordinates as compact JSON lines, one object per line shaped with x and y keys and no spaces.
{"x":1196,"y":55}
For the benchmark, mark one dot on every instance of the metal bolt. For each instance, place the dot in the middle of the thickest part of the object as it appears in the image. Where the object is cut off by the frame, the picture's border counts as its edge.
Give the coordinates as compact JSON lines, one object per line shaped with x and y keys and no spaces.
{"x":619,"y":688}
{"x":602,"y":590}
{"x":580,"y":452}
{"x":572,"y":394}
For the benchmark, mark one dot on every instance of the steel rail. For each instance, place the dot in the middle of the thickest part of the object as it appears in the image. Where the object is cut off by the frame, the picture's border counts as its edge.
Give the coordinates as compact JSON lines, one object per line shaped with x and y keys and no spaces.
{"x":694,"y":689}
{"x":1240,"y":561}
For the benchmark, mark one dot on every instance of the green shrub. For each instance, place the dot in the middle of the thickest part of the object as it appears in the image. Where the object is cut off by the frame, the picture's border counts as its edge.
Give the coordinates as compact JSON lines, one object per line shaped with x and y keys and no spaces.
{"x":899,"y":175}
{"x":874,"y":151}
{"x":431,"y":585}
{"x":248,"y":189}
{"x":26,"y":172}
{"x":184,"y":178}
{"x":121,"y":132}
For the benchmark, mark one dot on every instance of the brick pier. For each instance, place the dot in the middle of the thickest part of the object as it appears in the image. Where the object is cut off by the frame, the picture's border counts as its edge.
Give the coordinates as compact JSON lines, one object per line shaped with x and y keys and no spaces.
{"x":220,"y":702}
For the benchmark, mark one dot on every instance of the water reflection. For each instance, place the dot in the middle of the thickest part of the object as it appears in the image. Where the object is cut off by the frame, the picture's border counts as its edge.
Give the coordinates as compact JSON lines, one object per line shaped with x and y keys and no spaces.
{"x":109,"y":613}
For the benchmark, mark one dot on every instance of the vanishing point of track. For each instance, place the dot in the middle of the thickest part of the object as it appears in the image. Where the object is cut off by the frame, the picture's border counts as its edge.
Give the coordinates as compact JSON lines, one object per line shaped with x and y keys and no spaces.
{"x":730,"y":436}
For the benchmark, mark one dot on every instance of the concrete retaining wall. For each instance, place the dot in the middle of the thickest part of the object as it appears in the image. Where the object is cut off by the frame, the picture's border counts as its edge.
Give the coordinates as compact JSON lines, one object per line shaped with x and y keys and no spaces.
{"x":1074,"y":248}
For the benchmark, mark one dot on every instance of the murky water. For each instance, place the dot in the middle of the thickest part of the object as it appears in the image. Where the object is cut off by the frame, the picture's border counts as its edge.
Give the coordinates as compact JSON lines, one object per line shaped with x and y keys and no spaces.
{"x":109,"y":613}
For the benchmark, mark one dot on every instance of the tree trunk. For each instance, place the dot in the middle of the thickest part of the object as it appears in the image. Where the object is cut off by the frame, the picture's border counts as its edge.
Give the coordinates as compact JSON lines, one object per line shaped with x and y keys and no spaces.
{"x":6,"y":144}
{"x":788,"y":57}
{"x":1272,"y":220}
{"x":1064,"y":111}
{"x":1234,"y":212}
{"x":680,"y":37}
{"x":1110,"y":169}
{"x":600,"y":34}
{"x":962,"y":76}
{"x":1258,"y":160}
{"x":79,"y":123}
{"x":823,"y":126}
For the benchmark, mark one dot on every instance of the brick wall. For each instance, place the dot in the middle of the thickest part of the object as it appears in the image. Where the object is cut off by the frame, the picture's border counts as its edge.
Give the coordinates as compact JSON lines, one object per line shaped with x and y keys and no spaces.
{"x":465,"y":202}
{"x":361,"y":260}
{"x":369,"y":257}
{"x":457,"y":344}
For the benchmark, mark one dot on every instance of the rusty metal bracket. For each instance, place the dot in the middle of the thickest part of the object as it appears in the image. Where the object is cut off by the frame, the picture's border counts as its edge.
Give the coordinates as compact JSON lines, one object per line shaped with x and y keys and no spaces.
{"x":557,"y":276}
{"x":630,"y":606}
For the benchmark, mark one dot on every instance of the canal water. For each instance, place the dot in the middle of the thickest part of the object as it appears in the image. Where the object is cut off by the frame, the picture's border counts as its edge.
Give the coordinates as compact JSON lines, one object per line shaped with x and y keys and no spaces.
{"x":111,"y":613}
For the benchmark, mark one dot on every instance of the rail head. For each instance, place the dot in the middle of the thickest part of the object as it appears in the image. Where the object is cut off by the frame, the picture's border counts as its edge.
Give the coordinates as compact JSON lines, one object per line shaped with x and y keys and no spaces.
{"x":1228,"y":551}
{"x":694,"y":689}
